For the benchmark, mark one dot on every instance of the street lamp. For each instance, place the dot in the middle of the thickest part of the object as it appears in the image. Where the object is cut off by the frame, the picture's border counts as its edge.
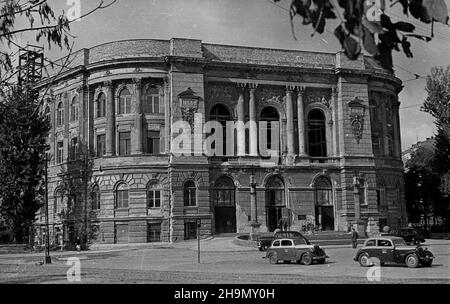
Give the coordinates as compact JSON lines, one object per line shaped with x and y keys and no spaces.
{"x":48,"y":259}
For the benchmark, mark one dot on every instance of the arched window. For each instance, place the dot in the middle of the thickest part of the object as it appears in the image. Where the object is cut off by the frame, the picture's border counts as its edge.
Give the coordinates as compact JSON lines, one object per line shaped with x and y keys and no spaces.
{"x":323,"y":191}
{"x":60,"y":114}
{"x":190,"y":198}
{"x":317,"y":140}
{"x":153,"y":195}
{"x":270,"y":114}
{"x":122,"y":196}
{"x":95,"y":198}
{"x":223,"y":192}
{"x":275,"y":192}
{"x":124,"y":102}
{"x":151,"y":101}
{"x":74,"y":109}
{"x":100,"y":106}
{"x":220,"y":113}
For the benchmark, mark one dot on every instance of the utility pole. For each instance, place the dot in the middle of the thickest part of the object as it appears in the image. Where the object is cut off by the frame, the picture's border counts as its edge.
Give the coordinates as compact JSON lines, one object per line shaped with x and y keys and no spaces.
{"x":48,"y":259}
{"x":85,"y":167}
{"x":199,"y":225}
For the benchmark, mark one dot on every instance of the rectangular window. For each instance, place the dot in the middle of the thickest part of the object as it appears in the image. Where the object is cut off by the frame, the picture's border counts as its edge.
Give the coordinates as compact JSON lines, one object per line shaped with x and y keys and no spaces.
{"x":153,"y":142}
{"x":378,"y":197}
{"x":152,"y":104}
{"x":122,"y":199}
{"x":101,"y":145}
{"x":153,"y":232}
{"x":124,"y":143}
{"x":60,"y":152}
{"x":154,"y":199}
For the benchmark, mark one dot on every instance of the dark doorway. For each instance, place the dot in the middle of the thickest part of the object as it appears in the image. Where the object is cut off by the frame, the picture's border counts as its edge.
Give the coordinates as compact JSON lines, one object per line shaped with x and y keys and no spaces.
{"x":224,"y":205}
{"x":274,"y":202}
{"x":325,"y":216}
{"x":324,"y":208}
{"x":225,"y":219}
{"x":190,"y":230}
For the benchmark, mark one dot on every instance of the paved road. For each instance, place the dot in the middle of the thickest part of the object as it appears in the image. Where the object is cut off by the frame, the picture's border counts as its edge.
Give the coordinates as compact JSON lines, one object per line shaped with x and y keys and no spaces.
{"x":178,"y":264}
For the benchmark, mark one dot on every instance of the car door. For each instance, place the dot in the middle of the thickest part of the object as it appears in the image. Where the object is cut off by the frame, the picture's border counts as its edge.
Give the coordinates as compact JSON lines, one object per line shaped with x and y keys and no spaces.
{"x":276,"y":248}
{"x":287,"y":248}
{"x":386,"y":250}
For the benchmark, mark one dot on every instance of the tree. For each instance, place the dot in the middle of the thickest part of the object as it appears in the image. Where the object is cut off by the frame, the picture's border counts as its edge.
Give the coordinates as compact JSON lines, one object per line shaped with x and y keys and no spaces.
{"x":23,"y":135}
{"x":53,"y":28}
{"x":437,"y":104}
{"x":23,"y":128}
{"x":77,"y":186}
{"x":365,"y":24}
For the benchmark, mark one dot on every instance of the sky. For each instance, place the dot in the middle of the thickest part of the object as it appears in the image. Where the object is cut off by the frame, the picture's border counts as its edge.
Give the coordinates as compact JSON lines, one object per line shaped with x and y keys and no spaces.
{"x":257,"y":23}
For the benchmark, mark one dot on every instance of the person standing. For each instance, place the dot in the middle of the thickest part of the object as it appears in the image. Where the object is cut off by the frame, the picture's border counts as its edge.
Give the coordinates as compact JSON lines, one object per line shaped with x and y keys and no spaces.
{"x":354,"y":237}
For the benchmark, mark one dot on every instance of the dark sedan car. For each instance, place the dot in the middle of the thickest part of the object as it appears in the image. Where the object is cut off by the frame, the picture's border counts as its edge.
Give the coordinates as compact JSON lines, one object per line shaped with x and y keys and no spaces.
{"x":392,"y":249}
{"x":411,"y":236}
{"x":298,"y":250}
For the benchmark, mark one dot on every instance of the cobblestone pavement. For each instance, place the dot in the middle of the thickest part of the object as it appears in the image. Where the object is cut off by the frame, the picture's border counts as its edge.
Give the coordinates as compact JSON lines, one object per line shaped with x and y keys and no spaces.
{"x":178,"y":264}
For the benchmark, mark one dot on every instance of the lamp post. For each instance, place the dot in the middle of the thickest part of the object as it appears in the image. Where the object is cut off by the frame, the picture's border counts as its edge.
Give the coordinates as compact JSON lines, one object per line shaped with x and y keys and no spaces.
{"x":48,"y":259}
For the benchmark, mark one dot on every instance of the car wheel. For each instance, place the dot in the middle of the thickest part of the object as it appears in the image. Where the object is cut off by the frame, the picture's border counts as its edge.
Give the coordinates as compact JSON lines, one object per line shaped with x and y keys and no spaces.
{"x":321,"y":260}
{"x":260,"y":249}
{"x":307,"y":259}
{"x":364,"y":260}
{"x":412,"y":261}
{"x":265,"y":247}
{"x":273,"y":258}
{"x":427,"y":264}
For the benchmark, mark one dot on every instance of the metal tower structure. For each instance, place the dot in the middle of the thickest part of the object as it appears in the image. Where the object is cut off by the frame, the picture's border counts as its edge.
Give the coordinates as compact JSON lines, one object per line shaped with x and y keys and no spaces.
{"x":31,"y":62}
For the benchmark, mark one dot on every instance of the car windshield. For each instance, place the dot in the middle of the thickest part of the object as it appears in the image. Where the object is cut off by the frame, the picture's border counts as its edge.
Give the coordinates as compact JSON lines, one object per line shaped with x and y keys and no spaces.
{"x":301,"y":241}
{"x":399,"y":242}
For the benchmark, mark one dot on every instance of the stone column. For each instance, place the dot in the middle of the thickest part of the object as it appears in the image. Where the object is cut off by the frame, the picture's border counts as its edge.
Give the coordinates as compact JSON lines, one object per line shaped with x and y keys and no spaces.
{"x":241,"y":121}
{"x":253,"y":209}
{"x":110,"y":120}
{"x":253,"y":123}
{"x":290,"y":122}
{"x":301,"y":122}
{"x":138,"y":120}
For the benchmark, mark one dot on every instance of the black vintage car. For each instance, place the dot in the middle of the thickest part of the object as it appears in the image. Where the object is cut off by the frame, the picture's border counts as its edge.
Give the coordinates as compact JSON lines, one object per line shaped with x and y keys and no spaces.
{"x":297,"y":250}
{"x":411,"y":236}
{"x":392,"y":249}
{"x":265,"y":241}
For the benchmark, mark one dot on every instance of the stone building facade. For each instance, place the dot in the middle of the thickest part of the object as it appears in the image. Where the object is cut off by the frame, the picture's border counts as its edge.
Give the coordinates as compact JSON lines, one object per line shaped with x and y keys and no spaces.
{"x":339,"y":159}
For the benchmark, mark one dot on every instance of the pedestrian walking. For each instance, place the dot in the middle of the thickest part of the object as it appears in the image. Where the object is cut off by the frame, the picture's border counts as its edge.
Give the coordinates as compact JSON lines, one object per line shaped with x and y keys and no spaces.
{"x":354,"y":237}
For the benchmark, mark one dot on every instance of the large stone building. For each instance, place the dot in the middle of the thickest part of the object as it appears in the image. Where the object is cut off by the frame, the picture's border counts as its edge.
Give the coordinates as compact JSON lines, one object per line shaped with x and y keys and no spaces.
{"x":339,"y":162}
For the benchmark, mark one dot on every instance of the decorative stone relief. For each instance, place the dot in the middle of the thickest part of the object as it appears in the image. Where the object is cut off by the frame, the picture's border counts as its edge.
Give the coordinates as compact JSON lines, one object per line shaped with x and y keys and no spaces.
{"x":222,"y":92}
{"x":357,"y":121}
{"x":357,"y":113}
{"x":318,"y":95}
{"x":271,"y":95}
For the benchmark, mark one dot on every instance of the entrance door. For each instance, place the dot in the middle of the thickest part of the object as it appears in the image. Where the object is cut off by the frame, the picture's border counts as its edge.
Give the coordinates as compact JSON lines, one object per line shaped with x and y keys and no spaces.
{"x":273,"y":217}
{"x":223,"y":200}
{"x":225,"y":219}
{"x":122,"y":233}
{"x":327,"y":218}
